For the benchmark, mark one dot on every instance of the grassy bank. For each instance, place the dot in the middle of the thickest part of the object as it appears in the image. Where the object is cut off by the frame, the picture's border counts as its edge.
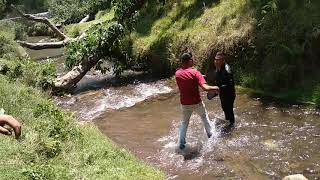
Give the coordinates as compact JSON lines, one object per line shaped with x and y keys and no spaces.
{"x":309,"y":96}
{"x":9,"y":32}
{"x":54,"y":146}
{"x":74,"y":30}
{"x":268,"y":52}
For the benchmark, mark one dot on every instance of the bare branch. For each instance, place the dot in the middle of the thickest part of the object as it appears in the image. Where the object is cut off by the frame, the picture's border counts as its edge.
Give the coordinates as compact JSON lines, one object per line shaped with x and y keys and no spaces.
{"x":85,"y":19}
{"x":45,"y":45}
{"x":42,"y":20}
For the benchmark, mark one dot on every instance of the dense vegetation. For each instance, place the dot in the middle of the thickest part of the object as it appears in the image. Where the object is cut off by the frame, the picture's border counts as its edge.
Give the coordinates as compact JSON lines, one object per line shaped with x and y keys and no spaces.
{"x":54,"y":146}
{"x":10,"y":32}
{"x":271,"y":44}
{"x":70,"y":11}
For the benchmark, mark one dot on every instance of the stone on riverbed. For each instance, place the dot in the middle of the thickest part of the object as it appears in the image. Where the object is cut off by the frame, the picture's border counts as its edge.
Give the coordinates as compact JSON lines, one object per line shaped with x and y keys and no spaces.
{"x":295,"y":177}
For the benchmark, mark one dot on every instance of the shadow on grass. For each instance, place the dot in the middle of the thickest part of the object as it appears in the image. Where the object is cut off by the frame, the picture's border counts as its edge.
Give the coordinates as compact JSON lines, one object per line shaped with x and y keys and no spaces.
{"x":147,"y":19}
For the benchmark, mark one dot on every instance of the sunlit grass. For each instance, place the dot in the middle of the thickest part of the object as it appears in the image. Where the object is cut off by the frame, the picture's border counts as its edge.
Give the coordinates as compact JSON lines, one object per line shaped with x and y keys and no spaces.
{"x":222,"y":24}
{"x":54,"y":146}
{"x":101,"y":17}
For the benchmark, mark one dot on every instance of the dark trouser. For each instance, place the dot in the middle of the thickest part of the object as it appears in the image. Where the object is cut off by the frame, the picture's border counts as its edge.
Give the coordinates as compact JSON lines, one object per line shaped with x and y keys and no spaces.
{"x":227,"y":107}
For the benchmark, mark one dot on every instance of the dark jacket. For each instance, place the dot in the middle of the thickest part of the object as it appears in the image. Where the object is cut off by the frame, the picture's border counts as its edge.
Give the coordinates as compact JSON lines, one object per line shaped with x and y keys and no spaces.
{"x":223,"y":78}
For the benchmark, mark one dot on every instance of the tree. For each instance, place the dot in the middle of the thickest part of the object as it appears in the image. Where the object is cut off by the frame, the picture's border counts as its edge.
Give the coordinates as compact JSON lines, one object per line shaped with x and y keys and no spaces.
{"x":84,"y":52}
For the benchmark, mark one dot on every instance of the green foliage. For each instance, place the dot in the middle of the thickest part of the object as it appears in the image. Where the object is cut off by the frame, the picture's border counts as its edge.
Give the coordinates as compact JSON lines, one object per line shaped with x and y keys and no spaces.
{"x":123,"y":9}
{"x":14,"y":30}
{"x":5,"y":6}
{"x":282,"y":43}
{"x":28,"y":6}
{"x":72,"y":11}
{"x":106,"y":40}
{"x":54,"y":146}
{"x":100,"y":42}
{"x":29,"y":72}
{"x":316,"y":95}
{"x":39,"y":29}
{"x":9,"y":32}
{"x":9,"y":49}
{"x":74,"y":31}
{"x":34,"y":6}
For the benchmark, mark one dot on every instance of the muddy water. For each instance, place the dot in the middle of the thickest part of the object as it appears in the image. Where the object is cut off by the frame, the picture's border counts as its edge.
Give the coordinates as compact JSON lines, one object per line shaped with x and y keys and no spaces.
{"x":270,"y":141}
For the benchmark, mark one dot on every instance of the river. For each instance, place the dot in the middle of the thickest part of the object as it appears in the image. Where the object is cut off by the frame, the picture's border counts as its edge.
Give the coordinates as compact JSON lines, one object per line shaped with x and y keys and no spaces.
{"x":272,"y":139}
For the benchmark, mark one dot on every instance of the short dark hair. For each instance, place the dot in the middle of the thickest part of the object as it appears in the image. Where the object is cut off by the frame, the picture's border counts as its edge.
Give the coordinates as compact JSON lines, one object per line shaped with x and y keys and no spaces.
{"x":185,"y":57}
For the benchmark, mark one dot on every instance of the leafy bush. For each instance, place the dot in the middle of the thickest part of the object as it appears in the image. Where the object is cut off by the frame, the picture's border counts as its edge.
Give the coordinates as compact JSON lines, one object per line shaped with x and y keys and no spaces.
{"x":9,"y":32}
{"x":72,"y":11}
{"x":29,"y":72}
{"x":9,"y":49}
{"x":74,"y":31}
{"x":54,"y":146}
{"x":35,"y":6}
{"x":282,"y":44}
{"x":40,"y":29}
{"x":14,"y":30}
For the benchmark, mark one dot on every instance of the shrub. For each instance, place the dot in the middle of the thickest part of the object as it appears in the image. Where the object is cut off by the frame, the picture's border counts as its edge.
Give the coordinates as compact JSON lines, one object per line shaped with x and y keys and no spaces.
{"x":29,"y":72}
{"x":74,"y":31}
{"x":40,"y":29}
{"x":9,"y":49}
{"x":72,"y":11}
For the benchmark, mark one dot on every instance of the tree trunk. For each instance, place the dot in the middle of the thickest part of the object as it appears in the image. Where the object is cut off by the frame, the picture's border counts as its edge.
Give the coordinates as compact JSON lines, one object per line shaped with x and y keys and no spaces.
{"x":44,"y":20}
{"x":45,"y":45}
{"x":85,"y":19}
{"x":70,"y":79}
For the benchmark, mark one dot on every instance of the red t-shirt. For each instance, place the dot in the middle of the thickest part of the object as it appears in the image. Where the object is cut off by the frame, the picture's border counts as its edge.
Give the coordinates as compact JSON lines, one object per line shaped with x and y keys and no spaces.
{"x":188,"y":80}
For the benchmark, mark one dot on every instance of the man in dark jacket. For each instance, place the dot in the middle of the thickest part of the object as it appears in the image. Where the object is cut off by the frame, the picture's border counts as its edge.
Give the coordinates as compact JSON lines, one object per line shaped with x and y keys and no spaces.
{"x":223,"y":78}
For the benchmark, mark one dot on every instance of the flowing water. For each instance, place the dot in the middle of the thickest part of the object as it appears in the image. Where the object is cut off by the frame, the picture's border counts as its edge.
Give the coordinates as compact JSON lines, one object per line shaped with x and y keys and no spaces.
{"x":271,"y":139}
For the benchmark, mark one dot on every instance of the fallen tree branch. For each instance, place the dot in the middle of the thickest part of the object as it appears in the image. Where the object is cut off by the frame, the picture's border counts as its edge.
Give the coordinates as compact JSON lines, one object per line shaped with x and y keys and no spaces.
{"x":39,"y":46}
{"x":44,"y":20}
{"x":50,"y":45}
{"x":70,"y":79}
{"x":85,"y":19}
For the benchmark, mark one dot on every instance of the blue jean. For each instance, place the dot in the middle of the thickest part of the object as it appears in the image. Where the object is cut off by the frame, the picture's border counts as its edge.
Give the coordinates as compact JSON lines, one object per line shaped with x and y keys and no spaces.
{"x":187,"y":111}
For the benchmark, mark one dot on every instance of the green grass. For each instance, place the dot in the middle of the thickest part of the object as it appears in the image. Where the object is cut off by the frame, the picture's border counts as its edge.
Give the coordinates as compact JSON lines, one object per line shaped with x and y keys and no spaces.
{"x":9,"y":49}
{"x":232,"y":26}
{"x":54,"y":146}
{"x":76,"y":29}
{"x":221,"y":24}
{"x":310,"y":95}
{"x":204,"y":26}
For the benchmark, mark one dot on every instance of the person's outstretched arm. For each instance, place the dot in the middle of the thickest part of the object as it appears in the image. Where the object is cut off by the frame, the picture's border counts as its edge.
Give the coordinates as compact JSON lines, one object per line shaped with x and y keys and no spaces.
{"x":203,"y":83}
{"x":206,"y":87}
{"x":12,"y":122}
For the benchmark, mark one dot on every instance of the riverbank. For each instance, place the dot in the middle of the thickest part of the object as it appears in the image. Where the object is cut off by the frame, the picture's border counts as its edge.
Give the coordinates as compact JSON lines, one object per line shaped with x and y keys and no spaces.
{"x":54,"y":146}
{"x":267,"y":53}
{"x":299,"y":96}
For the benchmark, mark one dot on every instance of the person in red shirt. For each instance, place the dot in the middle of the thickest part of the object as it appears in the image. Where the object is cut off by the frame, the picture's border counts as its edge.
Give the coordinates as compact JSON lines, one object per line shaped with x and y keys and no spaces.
{"x":188,"y":81}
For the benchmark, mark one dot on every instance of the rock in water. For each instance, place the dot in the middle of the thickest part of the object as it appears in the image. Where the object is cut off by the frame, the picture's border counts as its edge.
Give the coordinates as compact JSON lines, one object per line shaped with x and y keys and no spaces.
{"x":295,"y":177}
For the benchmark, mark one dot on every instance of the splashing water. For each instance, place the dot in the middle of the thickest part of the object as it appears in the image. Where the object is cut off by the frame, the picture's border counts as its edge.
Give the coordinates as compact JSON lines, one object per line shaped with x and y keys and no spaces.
{"x":198,"y":145}
{"x":114,"y":98}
